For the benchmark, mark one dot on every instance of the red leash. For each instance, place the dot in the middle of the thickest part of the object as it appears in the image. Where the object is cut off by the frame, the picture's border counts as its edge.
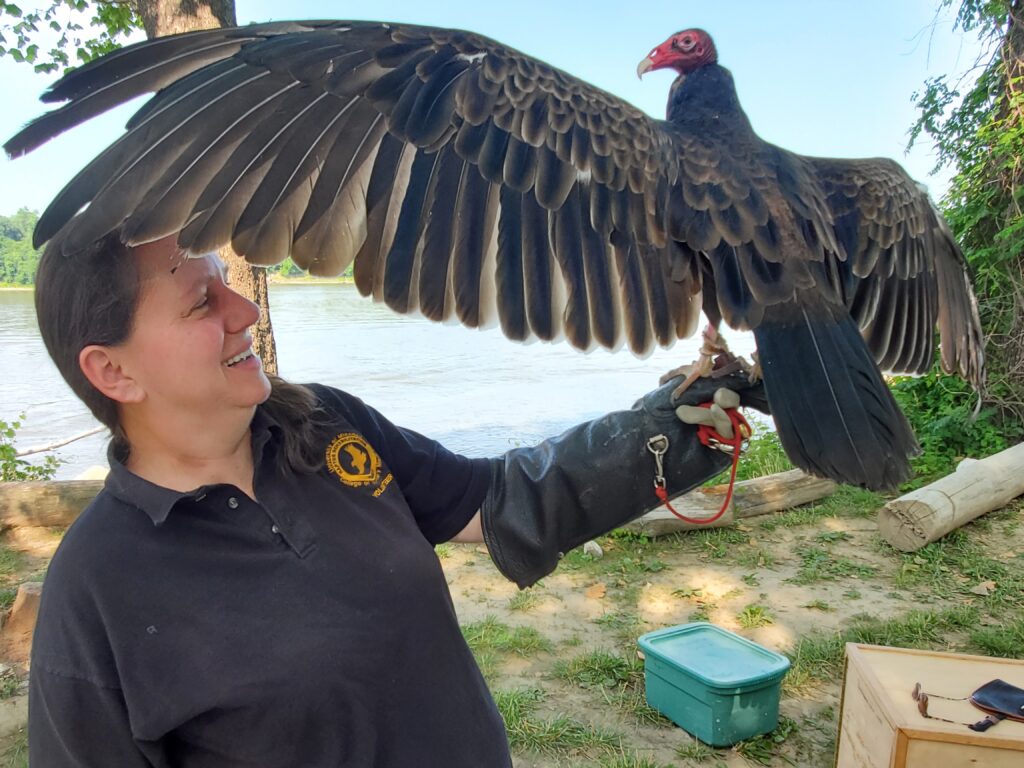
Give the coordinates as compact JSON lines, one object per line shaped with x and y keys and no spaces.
{"x":710,"y":438}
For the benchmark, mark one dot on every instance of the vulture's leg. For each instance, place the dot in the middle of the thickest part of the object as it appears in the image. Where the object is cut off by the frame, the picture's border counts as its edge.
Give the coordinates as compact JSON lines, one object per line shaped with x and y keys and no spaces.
{"x":714,"y":360}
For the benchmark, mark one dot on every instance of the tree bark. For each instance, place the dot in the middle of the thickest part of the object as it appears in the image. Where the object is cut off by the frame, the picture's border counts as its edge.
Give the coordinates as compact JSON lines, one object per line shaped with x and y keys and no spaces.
{"x":45,"y":504}
{"x":170,"y":17}
{"x":760,"y":496}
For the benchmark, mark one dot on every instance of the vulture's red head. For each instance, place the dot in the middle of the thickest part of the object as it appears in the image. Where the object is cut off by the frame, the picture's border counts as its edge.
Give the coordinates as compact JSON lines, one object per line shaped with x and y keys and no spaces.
{"x":684,"y":52}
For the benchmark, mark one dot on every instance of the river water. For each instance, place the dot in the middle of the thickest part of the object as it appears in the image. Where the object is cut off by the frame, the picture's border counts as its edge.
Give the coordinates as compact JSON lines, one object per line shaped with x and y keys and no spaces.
{"x":474,"y":391}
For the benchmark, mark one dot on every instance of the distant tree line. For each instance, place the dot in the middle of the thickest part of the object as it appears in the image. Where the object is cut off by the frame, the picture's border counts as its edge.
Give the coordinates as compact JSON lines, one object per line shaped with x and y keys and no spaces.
{"x":18,"y":259}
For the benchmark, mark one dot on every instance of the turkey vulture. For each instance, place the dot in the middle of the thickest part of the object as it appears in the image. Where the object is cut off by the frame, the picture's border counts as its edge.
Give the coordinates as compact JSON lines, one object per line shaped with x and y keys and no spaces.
{"x":468,"y":181}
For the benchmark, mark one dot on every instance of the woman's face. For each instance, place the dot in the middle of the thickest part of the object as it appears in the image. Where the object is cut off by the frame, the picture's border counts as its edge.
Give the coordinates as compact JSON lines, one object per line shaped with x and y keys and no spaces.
{"x":190,"y":347}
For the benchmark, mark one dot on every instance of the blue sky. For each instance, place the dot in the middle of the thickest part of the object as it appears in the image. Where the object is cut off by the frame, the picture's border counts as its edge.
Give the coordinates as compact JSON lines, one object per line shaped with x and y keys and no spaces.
{"x":831,"y":77}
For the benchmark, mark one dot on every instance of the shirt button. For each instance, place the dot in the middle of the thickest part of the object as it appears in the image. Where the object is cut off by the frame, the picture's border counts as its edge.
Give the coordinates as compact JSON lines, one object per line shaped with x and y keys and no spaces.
{"x":233,"y":502}
{"x":274,"y":529}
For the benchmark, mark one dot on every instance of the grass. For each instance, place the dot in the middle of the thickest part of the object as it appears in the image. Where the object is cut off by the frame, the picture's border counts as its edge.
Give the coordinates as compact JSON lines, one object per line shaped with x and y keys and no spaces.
{"x":7,"y":595}
{"x":444,"y":551}
{"x":597,"y":669}
{"x":818,"y":605}
{"x":846,"y":502}
{"x":819,"y":658}
{"x":756,"y":558}
{"x":820,"y":564}
{"x":560,"y":735}
{"x":492,"y":635}
{"x":763,"y":749}
{"x":10,"y":561}
{"x":9,"y":684}
{"x":763,"y":456}
{"x":1006,"y":641}
{"x":620,"y":680}
{"x":629,"y":760}
{"x":15,"y":751}
{"x":625,"y":624}
{"x":525,"y":600}
{"x":491,"y":641}
{"x":753,"y":616}
{"x":697,"y":750}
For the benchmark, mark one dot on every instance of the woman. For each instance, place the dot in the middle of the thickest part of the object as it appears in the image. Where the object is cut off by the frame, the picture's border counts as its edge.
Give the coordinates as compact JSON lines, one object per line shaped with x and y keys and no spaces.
{"x":256,"y":584}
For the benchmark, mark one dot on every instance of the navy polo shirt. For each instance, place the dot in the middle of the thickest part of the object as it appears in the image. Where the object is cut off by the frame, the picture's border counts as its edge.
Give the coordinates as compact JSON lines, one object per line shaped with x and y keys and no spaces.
{"x":313,"y":627}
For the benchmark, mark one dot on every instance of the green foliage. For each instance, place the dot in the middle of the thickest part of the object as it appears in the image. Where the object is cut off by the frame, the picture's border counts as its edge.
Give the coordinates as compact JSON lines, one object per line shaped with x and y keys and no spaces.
{"x":18,"y":259}
{"x":941,"y":411}
{"x":286,"y":268}
{"x":978,"y":129}
{"x":14,"y":469}
{"x":598,"y":669}
{"x":49,"y":36}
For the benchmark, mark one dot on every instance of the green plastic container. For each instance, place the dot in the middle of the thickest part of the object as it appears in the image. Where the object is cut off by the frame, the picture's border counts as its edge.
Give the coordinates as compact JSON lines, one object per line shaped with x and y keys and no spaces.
{"x":713,"y":683}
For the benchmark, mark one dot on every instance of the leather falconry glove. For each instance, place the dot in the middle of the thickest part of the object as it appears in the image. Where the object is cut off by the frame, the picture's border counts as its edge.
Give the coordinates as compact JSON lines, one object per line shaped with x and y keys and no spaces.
{"x":553,"y":497}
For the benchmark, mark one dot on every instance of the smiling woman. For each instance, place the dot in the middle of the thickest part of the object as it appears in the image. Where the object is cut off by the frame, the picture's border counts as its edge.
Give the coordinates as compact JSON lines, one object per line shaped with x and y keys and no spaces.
{"x":188,"y":363}
{"x":306,"y":520}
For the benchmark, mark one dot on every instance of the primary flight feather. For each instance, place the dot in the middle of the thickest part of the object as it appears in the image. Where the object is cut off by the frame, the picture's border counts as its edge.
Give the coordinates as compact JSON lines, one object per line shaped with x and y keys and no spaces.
{"x":468,"y":181}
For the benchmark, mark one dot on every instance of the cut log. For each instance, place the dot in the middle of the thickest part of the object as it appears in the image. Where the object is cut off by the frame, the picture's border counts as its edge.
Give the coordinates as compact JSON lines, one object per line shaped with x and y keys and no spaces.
{"x":760,"y":496}
{"x":16,"y":635}
{"x":976,"y":487}
{"x":52,"y":503}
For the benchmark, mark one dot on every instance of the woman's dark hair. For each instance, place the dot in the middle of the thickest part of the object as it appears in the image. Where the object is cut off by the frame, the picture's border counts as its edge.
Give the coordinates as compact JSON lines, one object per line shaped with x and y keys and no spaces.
{"x":90,"y":297}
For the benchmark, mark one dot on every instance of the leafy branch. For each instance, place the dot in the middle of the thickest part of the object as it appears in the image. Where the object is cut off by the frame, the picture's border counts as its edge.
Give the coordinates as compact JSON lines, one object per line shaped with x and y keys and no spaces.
{"x":14,"y":469}
{"x":978,"y":130}
{"x":47,"y":37}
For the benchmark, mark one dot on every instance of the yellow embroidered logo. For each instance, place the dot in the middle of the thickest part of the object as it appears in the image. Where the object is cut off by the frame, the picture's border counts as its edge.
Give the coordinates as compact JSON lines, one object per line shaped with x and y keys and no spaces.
{"x":355,"y":462}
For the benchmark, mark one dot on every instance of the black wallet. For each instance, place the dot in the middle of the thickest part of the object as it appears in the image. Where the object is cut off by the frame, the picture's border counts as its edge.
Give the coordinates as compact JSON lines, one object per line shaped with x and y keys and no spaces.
{"x":1001,"y":700}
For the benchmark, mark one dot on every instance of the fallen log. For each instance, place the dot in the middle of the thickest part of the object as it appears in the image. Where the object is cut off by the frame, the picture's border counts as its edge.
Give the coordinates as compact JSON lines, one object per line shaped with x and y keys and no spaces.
{"x":976,"y":487}
{"x":50,"y":503}
{"x":760,"y":496}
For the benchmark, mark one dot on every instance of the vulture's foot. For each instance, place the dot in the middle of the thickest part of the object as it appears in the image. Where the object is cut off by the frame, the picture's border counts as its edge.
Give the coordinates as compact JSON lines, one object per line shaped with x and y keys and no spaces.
{"x":714,"y":357}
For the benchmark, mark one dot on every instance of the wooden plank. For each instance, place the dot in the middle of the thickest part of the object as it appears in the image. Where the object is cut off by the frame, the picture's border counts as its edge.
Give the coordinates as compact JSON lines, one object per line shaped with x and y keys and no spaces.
{"x":931,"y":754}
{"x":878,"y":714}
{"x":865,"y":732}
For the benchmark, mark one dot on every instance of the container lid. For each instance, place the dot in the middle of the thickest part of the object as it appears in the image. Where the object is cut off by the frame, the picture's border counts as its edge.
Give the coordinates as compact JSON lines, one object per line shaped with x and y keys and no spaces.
{"x":717,"y":657}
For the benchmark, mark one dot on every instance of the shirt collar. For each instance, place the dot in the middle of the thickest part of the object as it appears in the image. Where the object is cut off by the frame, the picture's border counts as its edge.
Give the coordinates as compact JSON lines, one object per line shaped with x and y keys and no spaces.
{"x":157,"y":501}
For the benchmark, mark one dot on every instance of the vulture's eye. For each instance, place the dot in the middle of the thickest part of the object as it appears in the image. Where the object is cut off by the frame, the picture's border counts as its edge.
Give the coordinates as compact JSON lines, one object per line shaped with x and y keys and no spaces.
{"x":686,"y":43}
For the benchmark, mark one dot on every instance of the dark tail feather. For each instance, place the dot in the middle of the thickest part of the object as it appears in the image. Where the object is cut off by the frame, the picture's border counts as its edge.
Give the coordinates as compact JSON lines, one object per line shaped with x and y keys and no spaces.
{"x":835,"y":416}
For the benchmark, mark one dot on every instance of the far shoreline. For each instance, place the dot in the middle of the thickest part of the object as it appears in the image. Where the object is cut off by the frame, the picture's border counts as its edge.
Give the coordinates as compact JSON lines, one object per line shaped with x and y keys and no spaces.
{"x":274,"y":280}
{"x":309,"y":280}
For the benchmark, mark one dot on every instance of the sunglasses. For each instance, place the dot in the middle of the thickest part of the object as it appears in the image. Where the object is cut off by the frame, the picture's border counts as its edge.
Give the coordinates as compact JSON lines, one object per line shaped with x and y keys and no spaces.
{"x":922,"y":698}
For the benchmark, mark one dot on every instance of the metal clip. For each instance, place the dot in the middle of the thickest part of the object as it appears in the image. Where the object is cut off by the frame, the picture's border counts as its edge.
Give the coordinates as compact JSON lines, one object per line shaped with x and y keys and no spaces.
{"x":658,"y":445}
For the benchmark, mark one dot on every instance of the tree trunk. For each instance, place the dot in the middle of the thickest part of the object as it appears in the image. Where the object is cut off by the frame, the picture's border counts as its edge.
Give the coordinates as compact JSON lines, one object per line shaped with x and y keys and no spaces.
{"x":976,"y":487}
{"x":46,"y":504}
{"x":1012,"y":347}
{"x":169,"y":17}
{"x":760,"y":496}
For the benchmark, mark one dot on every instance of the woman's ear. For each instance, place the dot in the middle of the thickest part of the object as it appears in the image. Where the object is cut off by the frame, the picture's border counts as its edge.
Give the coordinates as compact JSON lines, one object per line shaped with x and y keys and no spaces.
{"x":101,"y":368}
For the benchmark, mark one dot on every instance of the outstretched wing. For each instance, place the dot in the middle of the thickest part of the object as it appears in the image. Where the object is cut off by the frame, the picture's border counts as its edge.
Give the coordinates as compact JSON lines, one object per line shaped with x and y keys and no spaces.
{"x":464,"y":179}
{"x":468,"y":181}
{"x":904,"y":271}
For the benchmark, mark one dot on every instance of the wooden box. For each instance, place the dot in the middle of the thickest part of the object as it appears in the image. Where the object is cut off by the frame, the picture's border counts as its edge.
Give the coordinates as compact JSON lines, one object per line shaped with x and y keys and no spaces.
{"x":880,"y":726}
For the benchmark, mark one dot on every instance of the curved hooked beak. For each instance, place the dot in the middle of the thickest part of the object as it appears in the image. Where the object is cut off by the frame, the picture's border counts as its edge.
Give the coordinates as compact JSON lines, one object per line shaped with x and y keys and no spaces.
{"x":644,"y":66}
